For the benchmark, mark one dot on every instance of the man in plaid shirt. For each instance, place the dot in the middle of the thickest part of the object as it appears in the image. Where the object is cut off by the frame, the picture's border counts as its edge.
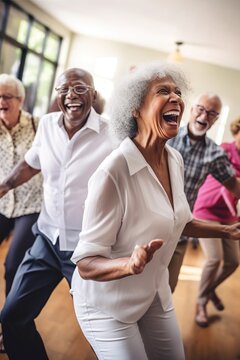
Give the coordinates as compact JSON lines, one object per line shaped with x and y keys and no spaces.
{"x":202,"y":156}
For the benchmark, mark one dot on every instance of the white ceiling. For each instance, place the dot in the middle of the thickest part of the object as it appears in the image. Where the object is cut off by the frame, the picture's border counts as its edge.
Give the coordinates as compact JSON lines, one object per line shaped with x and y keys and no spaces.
{"x":210,"y":29}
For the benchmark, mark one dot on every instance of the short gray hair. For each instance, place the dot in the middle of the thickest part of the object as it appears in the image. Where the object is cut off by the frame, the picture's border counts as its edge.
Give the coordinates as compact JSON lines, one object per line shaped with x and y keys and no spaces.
{"x":6,"y":79}
{"x":131,"y":92}
{"x":209,"y":95}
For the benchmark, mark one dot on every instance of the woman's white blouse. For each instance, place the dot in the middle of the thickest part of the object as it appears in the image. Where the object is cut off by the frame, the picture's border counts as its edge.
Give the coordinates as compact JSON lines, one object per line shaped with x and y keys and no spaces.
{"x":126,"y":205}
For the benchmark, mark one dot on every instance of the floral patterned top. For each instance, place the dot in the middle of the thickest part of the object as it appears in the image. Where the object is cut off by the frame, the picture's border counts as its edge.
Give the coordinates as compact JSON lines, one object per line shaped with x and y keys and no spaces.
{"x":27,"y":198}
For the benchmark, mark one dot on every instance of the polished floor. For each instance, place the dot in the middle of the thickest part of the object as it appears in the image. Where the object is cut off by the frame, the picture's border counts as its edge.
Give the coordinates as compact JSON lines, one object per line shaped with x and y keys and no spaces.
{"x":220,"y":341}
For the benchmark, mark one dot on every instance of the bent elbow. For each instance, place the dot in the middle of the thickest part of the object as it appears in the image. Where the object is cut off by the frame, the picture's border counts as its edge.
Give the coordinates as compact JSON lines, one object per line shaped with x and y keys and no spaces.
{"x":85,"y":275}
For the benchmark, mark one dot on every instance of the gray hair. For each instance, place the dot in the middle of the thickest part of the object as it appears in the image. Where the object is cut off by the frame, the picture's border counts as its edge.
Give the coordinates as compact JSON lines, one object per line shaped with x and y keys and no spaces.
{"x":210,"y":95}
{"x":130,"y":93}
{"x":11,"y":80}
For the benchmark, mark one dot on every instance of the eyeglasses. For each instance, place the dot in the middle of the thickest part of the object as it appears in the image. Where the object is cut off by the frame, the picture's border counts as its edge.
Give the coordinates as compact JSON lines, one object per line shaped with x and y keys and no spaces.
{"x":9,"y":97}
{"x":211,"y":114}
{"x":78,"y":89}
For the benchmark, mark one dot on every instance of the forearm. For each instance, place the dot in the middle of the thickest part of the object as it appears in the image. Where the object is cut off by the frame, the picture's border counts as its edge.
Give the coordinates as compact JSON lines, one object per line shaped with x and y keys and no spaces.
{"x":202,"y":229}
{"x":20,"y":174}
{"x":233,"y":185}
{"x":99,"y":268}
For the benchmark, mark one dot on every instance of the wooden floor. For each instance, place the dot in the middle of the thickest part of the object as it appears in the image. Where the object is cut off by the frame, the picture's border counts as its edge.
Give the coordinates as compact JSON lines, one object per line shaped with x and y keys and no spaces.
{"x":220,"y":341}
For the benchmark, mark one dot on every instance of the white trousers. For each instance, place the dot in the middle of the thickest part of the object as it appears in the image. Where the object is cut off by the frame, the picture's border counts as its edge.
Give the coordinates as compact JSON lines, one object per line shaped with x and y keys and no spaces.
{"x":155,"y":336}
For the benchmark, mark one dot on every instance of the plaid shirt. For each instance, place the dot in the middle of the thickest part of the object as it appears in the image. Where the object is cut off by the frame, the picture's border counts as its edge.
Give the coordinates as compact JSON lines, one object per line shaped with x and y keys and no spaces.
{"x":200,"y":159}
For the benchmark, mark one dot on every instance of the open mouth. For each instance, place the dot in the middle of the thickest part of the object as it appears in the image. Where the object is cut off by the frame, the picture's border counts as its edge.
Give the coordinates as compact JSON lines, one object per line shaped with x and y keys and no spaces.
{"x":3,"y":108}
{"x":171,"y":116}
{"x":74,"y":106}
{"x":202,"y":124}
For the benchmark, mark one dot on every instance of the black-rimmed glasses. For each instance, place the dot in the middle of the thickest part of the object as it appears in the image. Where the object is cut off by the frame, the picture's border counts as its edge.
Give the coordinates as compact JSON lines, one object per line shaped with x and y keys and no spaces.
{"x":211,"y":114}
{"x":78,"y":89}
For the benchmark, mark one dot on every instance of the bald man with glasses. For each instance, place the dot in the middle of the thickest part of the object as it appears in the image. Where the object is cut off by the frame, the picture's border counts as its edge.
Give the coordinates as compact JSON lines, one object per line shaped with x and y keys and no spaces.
{"x":202,"y":156}
{"x":68,"y":147}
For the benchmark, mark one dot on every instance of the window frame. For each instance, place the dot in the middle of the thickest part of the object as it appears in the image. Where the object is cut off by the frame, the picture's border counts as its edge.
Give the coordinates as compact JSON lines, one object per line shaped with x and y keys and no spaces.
{"x":25,"y":49}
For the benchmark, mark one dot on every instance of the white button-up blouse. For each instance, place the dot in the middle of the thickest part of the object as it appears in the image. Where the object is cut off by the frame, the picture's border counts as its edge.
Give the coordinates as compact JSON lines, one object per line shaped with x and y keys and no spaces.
{"x":126,"y":205}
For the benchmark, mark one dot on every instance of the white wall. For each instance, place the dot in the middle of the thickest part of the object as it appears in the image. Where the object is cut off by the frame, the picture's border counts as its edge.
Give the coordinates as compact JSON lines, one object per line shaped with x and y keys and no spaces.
{"x":85,"y":51}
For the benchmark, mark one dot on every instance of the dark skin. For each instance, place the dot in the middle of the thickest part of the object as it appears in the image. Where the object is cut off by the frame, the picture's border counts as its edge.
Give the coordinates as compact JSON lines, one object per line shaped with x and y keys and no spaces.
{"x":153,"y":132}
{"x":102,"y":269}
{"x":74,"y":118}
{"x":163,"y":96}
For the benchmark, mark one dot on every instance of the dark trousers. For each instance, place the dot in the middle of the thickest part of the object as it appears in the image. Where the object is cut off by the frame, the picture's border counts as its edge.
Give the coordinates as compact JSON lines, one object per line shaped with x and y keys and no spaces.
{"x":22,"y":240}
{"x":42,"y":268}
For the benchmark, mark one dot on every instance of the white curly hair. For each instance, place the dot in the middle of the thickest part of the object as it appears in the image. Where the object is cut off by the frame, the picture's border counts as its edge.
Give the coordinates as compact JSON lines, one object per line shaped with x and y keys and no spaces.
{"x":129,"y":94}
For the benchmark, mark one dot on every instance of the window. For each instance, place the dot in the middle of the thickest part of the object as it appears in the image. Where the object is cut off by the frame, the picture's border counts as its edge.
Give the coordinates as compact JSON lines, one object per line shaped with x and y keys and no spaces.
{"x":30,"y":51}
{"x":103,"y":70}
{"x":17,"y":24}
{"x":37,"y":37}
{"x":1,"y":15}
{"x":217,"y":130}
{"x":10,"y":58}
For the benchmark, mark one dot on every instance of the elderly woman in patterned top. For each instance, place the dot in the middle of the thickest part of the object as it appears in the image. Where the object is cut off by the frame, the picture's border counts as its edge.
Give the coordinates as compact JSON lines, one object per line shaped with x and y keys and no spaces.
{"x":19,"y":209}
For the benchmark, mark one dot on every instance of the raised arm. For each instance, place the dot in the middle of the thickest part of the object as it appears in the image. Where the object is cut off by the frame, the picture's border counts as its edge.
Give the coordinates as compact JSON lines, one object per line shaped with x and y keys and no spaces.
{"x":20,"y":174}
{"x":202,"y":229}
{"x":100,"y":268}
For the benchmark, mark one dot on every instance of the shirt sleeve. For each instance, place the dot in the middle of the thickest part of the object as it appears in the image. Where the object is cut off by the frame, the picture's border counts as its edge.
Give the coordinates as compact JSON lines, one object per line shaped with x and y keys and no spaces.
{"x":32,"y":155}
{"x":222,"y":169}
{"x":102,"y":217}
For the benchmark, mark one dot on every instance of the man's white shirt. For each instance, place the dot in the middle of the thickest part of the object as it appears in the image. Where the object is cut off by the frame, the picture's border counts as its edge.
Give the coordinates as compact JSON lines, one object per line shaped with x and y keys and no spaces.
{"x":66,"y":165}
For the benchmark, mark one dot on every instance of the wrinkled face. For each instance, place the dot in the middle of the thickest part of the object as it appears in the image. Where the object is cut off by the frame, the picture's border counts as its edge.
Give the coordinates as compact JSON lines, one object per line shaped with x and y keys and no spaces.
{"x":161,"y":111}
{"x":204,"y":114}
{"x":10,"y":104}
{"x":75,"y":95}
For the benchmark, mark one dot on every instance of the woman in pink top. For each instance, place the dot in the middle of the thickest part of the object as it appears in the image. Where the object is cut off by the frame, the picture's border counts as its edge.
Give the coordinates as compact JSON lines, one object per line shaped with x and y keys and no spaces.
{"x":216,"y":204}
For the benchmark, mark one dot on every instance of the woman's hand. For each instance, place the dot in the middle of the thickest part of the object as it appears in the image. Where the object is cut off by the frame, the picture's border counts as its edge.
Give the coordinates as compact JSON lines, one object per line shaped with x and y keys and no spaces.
{"x":142,"y":255}
{"x":233,"y":231}
{"x":204,"y":229}
{"x":99,"y":268}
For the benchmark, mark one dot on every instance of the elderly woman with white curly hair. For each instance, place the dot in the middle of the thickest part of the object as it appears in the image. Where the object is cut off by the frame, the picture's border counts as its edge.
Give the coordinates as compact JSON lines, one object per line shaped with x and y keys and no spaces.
{"x":135,"y":211}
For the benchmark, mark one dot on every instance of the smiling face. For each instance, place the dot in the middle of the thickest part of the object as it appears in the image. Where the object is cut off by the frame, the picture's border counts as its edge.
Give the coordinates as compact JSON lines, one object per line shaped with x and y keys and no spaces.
{"x":161,"y":111}
{"x":204,"y":114}
{"x":75,"y":107}
{"x":10,"y":105}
